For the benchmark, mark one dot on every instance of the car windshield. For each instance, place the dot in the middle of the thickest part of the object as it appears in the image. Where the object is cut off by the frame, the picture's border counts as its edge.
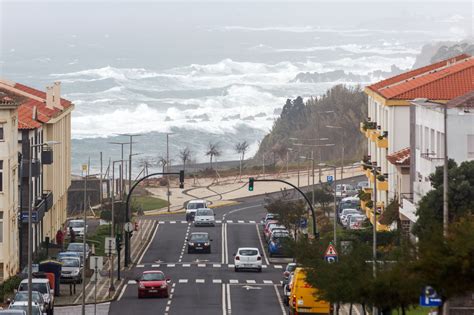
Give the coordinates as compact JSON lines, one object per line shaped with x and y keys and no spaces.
{"x":75,"y":247}
{"x":196,"y":205}
{"x":349,"y":211}
{"x":248,"y":252}
{"x":356,"y":218}
{"x":76,"y":224}
{"x":35,"y":309}
{"x":199,"y":237}
{"x":70,"y":262}
{"x":291,"y":267}
{"x":155,"y":276}
{"x":204,"y":212}
{"x":23,"y":296}
{"x":40,"y":287}
{"x":67,"y":254}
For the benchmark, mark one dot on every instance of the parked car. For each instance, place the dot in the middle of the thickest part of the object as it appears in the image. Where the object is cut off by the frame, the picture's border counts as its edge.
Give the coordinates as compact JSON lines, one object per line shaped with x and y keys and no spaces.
{"x":23,"y":306}
{"x":346,"y":219}
{"x":192,"y":206}
{"x":42,"y":286}
{"x":12,"y":312}
{"x":204,"y":217}
{"x":153,"y":283}
{"x":62,"y":255}
{"x":71,"y":270}
{"x":355,"y":221}
{"x":199,"y":242}
{"x":304,"y":298}
{"x":265,"y":228}
{"x":37,"y":297}
{"x":288,"y":270}
{"x":279,"y":233}
{"x":79,"y":248}
{"x":274,"y":227}
{"x":348,"y":202}
{"x":78,"y":226}
{"x":268,"y":217}
{"x":248,"y":258}
{"x":287,"y":289}
{"x":345,"y":212}
{"x":345,"y":190}
{"x":276,"y":243}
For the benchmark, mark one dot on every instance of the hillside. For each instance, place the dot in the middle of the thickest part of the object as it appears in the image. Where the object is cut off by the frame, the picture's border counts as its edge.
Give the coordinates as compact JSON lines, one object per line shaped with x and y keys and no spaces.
{"x":431,"y":53}
{"x":304,"y":120}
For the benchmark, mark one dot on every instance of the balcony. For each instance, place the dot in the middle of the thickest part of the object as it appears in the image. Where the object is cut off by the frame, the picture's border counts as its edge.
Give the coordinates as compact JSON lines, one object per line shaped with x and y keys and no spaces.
{"x":48,"y":199}
{"x":428,"y":163}
{"x":35,"y":168}
{"x":382,"y":185}
{"x":382,"y":143}
{"x":374,"y":134}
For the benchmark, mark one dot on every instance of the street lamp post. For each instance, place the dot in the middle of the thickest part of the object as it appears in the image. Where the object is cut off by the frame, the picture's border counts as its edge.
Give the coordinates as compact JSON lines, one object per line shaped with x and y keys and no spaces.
{"x":122,"y":173}
{"x":335,"y":200}
{"x":312,"y":166}
{"x":342,"y":147}
{"x":30,"y":210}
{"x":317,"y":146}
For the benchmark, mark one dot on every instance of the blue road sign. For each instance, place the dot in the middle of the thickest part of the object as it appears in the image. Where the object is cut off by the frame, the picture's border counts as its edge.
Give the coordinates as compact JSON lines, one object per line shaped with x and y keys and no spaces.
{"x":430,"y":298}
{"x":303,"y":223}
{"x":329,"y":178}
{"x":330,"y":255}
{"x":34,"y":216}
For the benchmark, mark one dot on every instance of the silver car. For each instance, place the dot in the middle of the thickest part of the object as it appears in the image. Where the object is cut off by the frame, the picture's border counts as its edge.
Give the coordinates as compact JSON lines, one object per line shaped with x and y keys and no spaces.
{"x":71,"y":270}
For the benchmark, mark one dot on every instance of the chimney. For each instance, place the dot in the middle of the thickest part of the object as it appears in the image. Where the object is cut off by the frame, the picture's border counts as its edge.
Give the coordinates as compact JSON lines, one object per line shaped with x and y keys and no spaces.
{"x":57,"y":95}
{"x":49,"y":97}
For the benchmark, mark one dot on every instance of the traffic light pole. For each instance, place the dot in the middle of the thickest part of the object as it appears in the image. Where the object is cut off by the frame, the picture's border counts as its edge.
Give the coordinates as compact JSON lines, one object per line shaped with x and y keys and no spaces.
{"x":127,"y":205}
{"x":313,"y":215}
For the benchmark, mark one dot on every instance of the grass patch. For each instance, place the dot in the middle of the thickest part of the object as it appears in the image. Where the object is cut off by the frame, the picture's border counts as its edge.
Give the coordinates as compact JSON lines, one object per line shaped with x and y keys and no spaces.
{"x":98,"y":239}
{"x":148,"y":203}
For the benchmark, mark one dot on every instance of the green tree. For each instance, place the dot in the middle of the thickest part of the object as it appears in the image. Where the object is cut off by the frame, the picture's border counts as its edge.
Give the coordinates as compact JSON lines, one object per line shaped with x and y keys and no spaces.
{"x":289,"y":212}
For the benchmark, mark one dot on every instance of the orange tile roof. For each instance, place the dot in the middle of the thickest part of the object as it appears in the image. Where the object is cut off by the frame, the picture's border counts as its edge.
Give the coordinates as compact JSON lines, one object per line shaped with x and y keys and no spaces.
{"x":401,"y":157}
{"x":463,"y":101}
{"x":444,"y":80}
{"x":27,"y":105}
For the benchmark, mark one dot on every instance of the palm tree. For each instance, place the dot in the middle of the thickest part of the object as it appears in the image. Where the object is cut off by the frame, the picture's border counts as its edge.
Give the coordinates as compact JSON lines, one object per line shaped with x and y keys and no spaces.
{"x":185,"y":155}
{"x":212,"y":151}
{"x":162,"y":162}
{"x":145,"y":164}
{"x":241,"y":148}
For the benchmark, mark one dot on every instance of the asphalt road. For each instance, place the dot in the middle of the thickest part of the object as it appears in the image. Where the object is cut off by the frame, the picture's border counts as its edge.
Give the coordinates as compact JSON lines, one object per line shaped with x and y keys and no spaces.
{"x":207,"y":283}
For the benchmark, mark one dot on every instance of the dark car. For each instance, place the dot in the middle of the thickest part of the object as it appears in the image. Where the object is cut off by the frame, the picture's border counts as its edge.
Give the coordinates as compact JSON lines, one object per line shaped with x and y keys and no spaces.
{"x":199,"y":242}
{"x":153,"y":283}
{"x":286,"y":274}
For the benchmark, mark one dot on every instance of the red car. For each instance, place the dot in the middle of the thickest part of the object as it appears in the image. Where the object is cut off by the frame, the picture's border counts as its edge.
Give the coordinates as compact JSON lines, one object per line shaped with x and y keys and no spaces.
{"x":153,"y":283}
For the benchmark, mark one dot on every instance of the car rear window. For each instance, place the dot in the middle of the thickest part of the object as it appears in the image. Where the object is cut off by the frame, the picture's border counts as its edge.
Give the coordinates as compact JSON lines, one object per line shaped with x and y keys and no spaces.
{"x":199,"y":237}
{"x":196,"y":205}
{"x":76,"y":224}
{"x":40,"y":287}
{"x":70,"y":262}
{"x":204,"y":212}
{"x":248,"y":252}
{"x":153,"y":277}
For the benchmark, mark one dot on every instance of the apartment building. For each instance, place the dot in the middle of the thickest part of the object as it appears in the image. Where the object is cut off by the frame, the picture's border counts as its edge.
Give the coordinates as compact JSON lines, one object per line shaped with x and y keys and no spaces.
{"x":388,"y":123}
{"x":428,"y":143}
{"x":43,"y":117}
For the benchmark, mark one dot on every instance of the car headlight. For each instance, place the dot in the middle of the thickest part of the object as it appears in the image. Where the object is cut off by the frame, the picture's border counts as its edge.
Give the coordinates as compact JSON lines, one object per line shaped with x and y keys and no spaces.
{"x":191,"y":244}
{"x":163,"y":286}
{"x":75,"y":272}
{"x":141,"y":285}
{"x":206,"y":244}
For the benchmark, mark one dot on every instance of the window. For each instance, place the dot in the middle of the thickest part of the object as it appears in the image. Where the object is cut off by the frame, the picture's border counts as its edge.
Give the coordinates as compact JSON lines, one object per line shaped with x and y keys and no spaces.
{"x":1,"y":133}
{"x":470,"y":146}
{"x":1,"y":175}
{"x":418,"y":136}
{"x":1,"y":226}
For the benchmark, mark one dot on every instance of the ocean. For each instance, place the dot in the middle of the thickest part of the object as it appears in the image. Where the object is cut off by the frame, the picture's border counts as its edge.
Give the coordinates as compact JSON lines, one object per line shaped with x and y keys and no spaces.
{"x":204,"y":71}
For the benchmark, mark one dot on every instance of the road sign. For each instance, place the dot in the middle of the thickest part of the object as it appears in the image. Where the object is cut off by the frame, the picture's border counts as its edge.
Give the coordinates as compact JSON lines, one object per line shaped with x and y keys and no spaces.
{"x":330,"y":255}
{"x":109,"y":245}
{"x":128,"y":227}
{"x":329,"y":179}
{"x":430,"y":297}
{"x":96,"y":261}
{"x":303,"y":223}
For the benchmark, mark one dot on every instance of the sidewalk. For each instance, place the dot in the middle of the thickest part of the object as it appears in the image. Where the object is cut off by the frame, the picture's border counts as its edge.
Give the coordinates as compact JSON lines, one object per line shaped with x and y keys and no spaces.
{"x":227,"y":189}
{"x":138,"y":244}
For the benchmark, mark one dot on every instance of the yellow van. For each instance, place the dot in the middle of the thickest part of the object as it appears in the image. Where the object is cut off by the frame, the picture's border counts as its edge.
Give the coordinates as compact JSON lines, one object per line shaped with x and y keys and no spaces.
{"x":303,"y":297}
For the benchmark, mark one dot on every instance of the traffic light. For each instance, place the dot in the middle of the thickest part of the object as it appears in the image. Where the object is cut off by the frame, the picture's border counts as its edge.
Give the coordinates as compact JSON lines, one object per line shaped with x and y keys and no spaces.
{"x":251,"y":184}
{"x":118,"y":242}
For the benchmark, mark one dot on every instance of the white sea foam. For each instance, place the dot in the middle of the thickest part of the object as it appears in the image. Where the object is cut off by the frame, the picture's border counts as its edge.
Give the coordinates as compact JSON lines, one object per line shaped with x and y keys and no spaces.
{"x":354,"y":48}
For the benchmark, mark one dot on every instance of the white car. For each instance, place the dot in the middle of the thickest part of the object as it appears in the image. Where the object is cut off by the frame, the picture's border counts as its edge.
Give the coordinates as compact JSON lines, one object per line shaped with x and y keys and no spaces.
{"x":78,"y":226}
{"x":42,"y":286}
{"x":192,"y":206}
{"x":204,"y":217}
{"x":23,"y":306}
{"x":347,"y":211}
{"x":248,"y":258}
{"x":355,"y":222}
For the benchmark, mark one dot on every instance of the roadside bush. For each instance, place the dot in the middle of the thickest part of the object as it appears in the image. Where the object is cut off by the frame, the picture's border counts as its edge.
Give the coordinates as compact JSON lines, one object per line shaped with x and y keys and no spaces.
{"x":8,"y":286}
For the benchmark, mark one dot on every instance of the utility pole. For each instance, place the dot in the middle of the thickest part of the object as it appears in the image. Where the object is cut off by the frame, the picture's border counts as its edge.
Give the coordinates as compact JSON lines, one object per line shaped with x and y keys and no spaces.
{"x":85,"y":169}
{"x":374,"y":248}
{"x":312,"y":165}
{"x":263,"y":164}
{"x":287,"y":156}
{"x":168,"y":170}
{"x":100,"y":180}
{"x":445,"y":190}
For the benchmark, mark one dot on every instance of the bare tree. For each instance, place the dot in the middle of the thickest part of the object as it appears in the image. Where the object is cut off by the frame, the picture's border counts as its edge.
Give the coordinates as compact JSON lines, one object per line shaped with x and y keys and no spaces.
{"x":213,"y":150}
{"x":185,"y":155}
{"x":145,"y":164}
{"x":241,"y":148}
{"x":161,"y":162}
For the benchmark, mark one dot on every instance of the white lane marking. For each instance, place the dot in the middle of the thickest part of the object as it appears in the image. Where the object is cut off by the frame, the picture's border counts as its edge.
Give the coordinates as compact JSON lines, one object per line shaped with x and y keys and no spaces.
{"x":233,"y":281}
{"x":216,"y":265}
{"x":186,"y":265}
{"x":170,"y":265}
{"x":216,"y":280}
{"x":172,"y":290}
{"x":131,"y":282}
{"x":226,"y":246}
{"x":261,"y":244}
{"x":201,"y":265}
{"x":268,"y":281}
{"x":183,"y":281}
{"x":172,"y":222}
{"x":169,"y":302}
{"x":280,"y":301}
{"x":264,"y":266}
{"x":123,"y":291}
{"x":200,"y":281}
{"x":230,"y":221}
{"x":167,"y":309}
{"x":231,"y":265}
{"x":251,"y":281}
{"x":278,"y":266}
{"x":222,"y":244}
{"x":252,"y":222}
{"x":149,"y":243}
{"x":218,"y":221}
{"x":155,"y":266}
{"x":184,"y":222}
{"x":229,"y":306}
{"x":224,"y":308}
{"x":281,"y":282}
{"x":140,"y":266}
{"x":241,"y":221}
{"x":161,"y":222}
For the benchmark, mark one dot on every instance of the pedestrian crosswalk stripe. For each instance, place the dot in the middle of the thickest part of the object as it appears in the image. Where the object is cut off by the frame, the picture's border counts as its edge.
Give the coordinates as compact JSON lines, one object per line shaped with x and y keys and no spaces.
{"x":140,"y":266}
{"x":278,"y":266}
{"x":233,"y":281}
{"x":231,"y":266}
{"x":268,"y":281}
{"x":230,"y":221}
{"x":251,"y":281}
{"x":264,"y":266}
{"x":201,"y":265}
{"x":200,"y":280}
{"x":155,"y":266}
{"x":170,"y":265}
{"x":183,"y":280}
{"x":161,"y":222}
{"x":184,"y":222}
{"x":216,"y":265}
{"x":186,"y":265}
{"x":252,"y":222}
{"x":218,"y":221}
{"x":240,"y":221}
{"x":281,"y":282}
{"x":132,"y":282}
{"x":216,"y":281}
{"x":172,"y":222}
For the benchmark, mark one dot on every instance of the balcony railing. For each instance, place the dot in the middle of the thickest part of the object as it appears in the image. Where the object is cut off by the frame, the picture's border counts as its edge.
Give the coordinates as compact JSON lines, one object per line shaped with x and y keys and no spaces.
{"x":48,"y":199}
